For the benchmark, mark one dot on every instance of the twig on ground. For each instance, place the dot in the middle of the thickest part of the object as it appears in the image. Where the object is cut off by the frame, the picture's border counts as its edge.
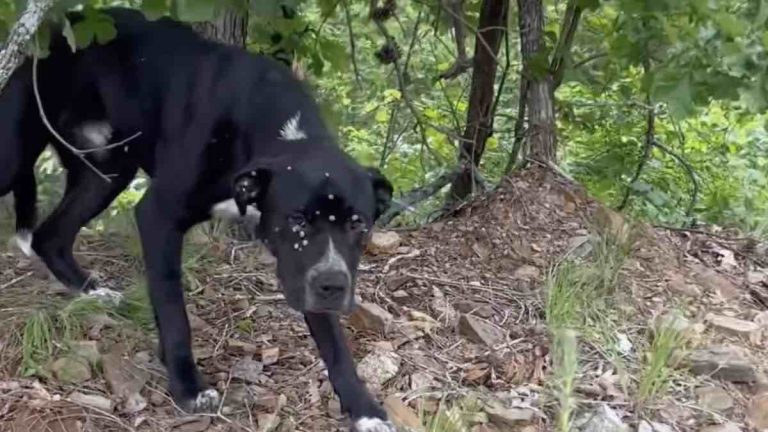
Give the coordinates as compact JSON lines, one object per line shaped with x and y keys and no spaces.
{"x":14,"y":281}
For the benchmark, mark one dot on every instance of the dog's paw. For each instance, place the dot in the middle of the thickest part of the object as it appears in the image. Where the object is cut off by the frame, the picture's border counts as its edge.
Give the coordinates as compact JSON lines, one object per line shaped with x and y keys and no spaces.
{"x":23,"y":241}
{"x":106,"y":296}
{"x":207,"y":401}
{"x":372,"y":424}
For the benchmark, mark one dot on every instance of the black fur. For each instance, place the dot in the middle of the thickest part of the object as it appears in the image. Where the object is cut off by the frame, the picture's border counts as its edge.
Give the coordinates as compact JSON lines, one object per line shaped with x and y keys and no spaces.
{"x":210,"y":118}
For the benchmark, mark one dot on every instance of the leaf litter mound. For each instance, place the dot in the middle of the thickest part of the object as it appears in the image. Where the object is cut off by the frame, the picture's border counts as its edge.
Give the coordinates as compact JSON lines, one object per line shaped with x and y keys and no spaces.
{"x":451,"y":321}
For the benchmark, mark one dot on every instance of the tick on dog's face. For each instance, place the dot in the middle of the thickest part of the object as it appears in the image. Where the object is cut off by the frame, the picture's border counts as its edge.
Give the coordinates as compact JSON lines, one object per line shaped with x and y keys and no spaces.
{"x":316,"y":218}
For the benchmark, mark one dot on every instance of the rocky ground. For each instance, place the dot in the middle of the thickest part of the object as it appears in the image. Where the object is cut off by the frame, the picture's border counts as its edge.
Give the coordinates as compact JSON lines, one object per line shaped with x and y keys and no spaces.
{"x":451,"y":327}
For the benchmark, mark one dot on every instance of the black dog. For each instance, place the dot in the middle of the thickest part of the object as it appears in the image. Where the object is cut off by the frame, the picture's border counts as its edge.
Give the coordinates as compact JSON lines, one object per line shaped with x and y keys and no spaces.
{"x":220,"y":129}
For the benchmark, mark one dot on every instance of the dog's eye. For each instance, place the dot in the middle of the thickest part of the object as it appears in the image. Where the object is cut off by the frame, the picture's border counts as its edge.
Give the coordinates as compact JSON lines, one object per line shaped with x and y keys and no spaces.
{"x":356,"y":223}
{"x":297,"y":220}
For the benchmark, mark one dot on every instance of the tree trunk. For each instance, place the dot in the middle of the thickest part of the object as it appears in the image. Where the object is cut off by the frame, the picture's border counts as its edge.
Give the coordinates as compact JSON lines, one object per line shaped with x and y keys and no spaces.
{"x":491,"y":28}
{"x":13,"y":51}
{"x":229,"y":26}
{"x":542,"y":134}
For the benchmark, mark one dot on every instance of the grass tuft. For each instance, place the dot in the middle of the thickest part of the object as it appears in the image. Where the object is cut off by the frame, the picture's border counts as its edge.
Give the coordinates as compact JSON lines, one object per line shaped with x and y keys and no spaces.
{"x":565,"y":363}
{"x":456,"y":417}
{"x":654,"y":379}
{"x":37,"y":342}
{"x":136,"y":307}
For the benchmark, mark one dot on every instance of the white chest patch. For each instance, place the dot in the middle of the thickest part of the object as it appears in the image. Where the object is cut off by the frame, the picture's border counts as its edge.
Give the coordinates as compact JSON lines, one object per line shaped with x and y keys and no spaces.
{"x":227,"y":210}
{"x":291,"y":130}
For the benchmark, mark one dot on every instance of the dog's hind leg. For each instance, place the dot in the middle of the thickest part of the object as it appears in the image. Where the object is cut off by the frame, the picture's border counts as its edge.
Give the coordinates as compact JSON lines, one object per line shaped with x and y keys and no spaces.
{"x":86,"y":196}
{"x":25,"y":206}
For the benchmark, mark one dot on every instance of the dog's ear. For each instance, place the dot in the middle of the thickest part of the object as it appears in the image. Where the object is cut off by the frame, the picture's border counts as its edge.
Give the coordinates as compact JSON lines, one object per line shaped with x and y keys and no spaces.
{"x":249,"y":187}
{"x":382,"y":191}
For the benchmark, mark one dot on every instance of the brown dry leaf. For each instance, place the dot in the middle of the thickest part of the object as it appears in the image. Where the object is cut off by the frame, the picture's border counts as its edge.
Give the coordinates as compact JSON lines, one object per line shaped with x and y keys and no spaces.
{"x":477,"y":374}
{"x":270,"y":356}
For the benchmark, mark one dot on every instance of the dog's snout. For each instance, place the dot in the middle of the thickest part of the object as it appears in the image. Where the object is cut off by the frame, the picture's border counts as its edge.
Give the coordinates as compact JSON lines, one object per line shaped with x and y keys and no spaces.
{"x":331,"y":287}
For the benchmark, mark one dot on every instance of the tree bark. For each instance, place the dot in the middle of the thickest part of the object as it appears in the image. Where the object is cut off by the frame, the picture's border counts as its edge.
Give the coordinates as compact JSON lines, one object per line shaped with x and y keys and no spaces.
{"x":229,"y":26}
{"x":12,"y":54}
{"x":491,"y":28}
{"x":542,"y":134}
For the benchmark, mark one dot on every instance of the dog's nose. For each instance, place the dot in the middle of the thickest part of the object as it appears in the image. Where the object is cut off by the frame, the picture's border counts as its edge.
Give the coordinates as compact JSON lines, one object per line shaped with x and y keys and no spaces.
{"x":330,"y":289}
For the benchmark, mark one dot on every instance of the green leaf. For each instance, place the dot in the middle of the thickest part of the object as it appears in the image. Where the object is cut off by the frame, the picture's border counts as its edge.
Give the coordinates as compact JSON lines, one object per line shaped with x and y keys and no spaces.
{"x":335,"y":53}
{"x":539,"y":64}
{"x":154,"y":9}
{"x":95,"y":25}
{"x":104,"y":32}
{"x":382,"y":116}
{"x":42,"y":41}
{"x":272,"y":8}
{"x":69,"y":35}
{"x":196,"y":10}
{"x":762,"y":13}
{"x":731,"y":25}
{"x":588,"y":4}
{"x":676,"y":92}
{"x":328,"y":7}
{"x":640,"y":187}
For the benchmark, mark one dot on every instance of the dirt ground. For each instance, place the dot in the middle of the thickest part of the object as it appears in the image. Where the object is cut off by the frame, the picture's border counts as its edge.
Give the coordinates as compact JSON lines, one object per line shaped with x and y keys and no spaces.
{"x":452,"y":312}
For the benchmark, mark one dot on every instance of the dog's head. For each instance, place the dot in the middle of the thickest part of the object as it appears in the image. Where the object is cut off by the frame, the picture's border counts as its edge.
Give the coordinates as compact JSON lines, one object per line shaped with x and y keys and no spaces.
{"x":316,"y":217}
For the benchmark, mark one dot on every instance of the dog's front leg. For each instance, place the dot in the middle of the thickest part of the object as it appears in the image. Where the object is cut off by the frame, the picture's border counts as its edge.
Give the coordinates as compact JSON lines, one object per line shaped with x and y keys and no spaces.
{"x":162,"y":238}
{"x":366,"y":414}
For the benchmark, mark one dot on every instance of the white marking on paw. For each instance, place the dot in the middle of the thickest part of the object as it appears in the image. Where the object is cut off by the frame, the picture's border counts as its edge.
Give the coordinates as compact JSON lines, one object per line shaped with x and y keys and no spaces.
{"x":207,"y":401}
{"x":106,"y":295}
{"x":23,"y":241}
{"x":372,"y":424}
{"x":291,"y":131}
{"x":228,"y":210}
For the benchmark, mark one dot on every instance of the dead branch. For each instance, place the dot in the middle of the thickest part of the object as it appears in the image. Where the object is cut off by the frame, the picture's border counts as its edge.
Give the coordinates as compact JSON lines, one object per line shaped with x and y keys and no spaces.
{"x":416,"y":196}
{"x":21,"y":33}
{"x":519,"y":134}
{"x":650,"y":132}
{"x":352,"y":45}
{"x":565,"y":41}
{"x":462,"y":63}
{"x":650,"y":137}
{"x":401,"y":84}
{"x":691,"y":173}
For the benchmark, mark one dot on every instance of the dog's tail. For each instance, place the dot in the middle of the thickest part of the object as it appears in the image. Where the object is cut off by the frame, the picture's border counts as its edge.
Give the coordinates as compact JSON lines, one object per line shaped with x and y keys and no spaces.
{"x":25,"y":206}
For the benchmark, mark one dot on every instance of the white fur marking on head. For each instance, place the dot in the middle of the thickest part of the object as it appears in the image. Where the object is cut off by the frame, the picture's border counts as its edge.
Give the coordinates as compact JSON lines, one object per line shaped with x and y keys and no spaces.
{"x":372,"y":424}
{"x":228,"y":210}
{"x":291,"y":131}
{"x":23,"y":239}
{"x":330,"y":261}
